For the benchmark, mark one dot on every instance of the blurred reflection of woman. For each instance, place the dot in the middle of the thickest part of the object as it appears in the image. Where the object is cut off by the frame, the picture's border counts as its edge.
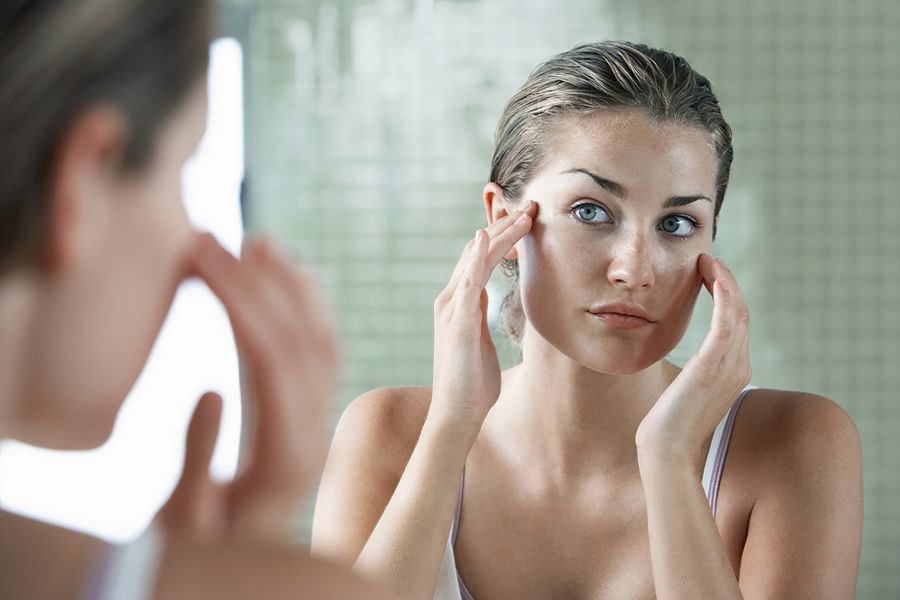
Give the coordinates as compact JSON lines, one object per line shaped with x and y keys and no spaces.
{"x":596,"y":468}
{"x":101,"y":103}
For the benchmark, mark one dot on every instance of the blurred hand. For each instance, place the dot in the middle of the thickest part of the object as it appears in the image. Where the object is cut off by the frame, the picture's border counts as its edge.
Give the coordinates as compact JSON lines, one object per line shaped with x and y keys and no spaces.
{"x":287,"y":345}
{"x":466,"y":369}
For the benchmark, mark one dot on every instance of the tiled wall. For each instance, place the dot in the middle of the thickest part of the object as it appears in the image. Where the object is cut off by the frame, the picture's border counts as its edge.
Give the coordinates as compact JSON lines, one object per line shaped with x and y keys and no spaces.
{"x":370,"y":126}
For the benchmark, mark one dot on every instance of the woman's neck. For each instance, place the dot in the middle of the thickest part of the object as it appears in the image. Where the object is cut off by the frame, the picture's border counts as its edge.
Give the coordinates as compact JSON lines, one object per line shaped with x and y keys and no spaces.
{"x":27,"y":546}
{"x":572,"y":419}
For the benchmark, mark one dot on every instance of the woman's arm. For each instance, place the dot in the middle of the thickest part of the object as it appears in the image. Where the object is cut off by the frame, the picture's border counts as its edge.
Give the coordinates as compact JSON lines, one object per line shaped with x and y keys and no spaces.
{"x":393,"y":527}
{"x":688,"y":556}
{"x":404,"y":550}
{"x":805,"y":530}
{"x":806,"y":523}
{"x":804,"y":533}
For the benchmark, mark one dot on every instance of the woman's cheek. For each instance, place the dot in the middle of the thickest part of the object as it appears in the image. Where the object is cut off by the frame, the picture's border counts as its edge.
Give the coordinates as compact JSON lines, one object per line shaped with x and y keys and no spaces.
{"x":680,"y":285}
{"x":556,"y":276}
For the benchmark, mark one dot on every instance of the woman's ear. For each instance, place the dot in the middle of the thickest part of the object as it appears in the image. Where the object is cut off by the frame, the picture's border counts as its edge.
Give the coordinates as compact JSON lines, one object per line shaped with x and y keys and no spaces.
{"x":494,"y":202}
{"x":495,"y":209}
{"x":79,"y":182}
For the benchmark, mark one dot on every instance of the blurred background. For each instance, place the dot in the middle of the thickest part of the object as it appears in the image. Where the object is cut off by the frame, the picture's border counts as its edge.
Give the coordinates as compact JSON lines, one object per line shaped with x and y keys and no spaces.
{"x":364,"y":130}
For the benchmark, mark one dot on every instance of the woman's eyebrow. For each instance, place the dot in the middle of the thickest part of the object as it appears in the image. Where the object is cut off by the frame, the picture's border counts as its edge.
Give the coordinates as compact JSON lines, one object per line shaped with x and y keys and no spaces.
{"x":610,"y":186}
{"x":618,"y":189}
{"x":682,"y":200}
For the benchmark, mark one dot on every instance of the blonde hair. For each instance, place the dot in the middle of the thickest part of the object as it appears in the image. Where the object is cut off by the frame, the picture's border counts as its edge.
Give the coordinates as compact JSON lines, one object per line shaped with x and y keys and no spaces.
{"x":606,"y":75}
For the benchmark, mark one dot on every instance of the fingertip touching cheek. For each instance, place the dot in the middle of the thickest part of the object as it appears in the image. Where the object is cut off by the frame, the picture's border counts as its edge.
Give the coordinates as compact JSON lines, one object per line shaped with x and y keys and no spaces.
{"x":609,"y":273}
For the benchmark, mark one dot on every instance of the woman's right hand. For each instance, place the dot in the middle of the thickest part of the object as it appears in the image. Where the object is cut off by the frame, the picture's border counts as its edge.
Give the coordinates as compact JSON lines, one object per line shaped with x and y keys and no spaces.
{"x":466,"y":369}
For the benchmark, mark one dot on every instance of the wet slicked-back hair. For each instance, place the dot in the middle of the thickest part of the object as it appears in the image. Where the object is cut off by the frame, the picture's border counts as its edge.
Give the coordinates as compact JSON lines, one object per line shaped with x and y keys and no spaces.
{"x":591,"y":77}
{"x":60,"y":57}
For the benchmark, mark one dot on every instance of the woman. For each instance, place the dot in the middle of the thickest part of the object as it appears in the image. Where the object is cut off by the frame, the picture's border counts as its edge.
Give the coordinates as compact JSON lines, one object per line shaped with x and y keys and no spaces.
{"x":101,"y":103}
{"x":595,"y":468}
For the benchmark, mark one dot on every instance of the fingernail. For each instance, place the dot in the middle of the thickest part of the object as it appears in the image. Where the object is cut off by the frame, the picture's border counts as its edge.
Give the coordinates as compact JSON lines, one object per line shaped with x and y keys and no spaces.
{"x":523,"y":218}
{"x":722,"y":286}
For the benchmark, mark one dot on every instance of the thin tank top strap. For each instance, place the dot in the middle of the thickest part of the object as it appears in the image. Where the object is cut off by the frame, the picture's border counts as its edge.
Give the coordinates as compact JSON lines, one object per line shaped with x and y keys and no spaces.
{"x":718,"y":450}
{"x":464,"y":592}
{"x":454,"y":528}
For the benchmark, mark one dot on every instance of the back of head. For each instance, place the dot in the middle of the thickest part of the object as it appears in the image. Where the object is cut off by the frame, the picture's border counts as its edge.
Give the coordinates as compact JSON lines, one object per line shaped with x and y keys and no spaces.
{"x":60,"y":57}
{"x":589,"y":78}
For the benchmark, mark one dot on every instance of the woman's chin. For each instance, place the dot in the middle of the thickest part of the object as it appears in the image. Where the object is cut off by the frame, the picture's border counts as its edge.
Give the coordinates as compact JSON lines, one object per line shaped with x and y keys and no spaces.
{"x":617,"y":365}
{"x":617,"y":358}
{"x":604,"y":352}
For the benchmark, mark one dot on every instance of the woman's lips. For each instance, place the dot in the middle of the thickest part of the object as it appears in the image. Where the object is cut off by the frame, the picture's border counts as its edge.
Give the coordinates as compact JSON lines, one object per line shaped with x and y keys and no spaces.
{"x":622,"y":321}
{"x":623,"y":315}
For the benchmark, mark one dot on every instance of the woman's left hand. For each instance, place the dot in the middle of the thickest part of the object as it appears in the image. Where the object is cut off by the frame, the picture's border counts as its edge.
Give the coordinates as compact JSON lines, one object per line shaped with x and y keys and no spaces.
{"x":700,"y":396}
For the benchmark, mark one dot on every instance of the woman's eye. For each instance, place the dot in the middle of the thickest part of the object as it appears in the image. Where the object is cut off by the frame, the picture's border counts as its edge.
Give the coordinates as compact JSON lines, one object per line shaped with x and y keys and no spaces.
{"x":678,"y":225}
{"x":591,"y":213}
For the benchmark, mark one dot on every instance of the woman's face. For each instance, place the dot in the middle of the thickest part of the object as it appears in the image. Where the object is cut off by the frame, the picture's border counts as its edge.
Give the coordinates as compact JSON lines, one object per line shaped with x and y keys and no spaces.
{"x":98,"y":317}
{"x":626,"y":206}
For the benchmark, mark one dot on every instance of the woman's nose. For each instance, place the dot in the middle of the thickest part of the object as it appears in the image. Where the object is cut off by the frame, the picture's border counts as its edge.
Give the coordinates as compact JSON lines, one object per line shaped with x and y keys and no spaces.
{"x":631,"y":265}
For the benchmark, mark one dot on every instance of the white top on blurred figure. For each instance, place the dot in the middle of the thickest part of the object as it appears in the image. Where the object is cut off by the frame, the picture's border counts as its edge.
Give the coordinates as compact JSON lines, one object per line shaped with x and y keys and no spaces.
{"x":94,"y":241}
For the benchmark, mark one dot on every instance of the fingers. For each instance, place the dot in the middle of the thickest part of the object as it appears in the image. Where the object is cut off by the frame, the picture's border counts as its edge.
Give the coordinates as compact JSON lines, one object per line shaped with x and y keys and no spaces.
{"x":503,"y":235}
{"x":729,"y":332}
{"x":504,"y":241}
{"x":287,"y":343}
{"x":223,"y":274}
{"x":292,"y":294}
{"x":467,"y":296}
{"x":274,"y":308}
{"x":705,"y":267}
{"x":712,"y":270}
{"x":191,"y":509}
{"x":201,"y":440}
{"x":504,"y":222}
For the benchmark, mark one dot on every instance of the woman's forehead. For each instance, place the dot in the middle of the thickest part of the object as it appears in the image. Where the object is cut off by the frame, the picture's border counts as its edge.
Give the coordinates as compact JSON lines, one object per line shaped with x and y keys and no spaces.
{"x":634,"y":151}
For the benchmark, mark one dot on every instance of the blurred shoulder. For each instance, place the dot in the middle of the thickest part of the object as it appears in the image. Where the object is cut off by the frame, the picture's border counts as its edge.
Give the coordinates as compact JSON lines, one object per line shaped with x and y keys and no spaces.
{"x":229,"y":569}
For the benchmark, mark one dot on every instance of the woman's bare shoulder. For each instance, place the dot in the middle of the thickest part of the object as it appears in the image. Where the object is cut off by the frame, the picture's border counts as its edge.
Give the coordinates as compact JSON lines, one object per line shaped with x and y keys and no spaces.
{"x":372,"y":443}
{"x":780,"y":433}
{"x":785,"y":419}
{"x":793,"y":483}
{"x":386,"y":420}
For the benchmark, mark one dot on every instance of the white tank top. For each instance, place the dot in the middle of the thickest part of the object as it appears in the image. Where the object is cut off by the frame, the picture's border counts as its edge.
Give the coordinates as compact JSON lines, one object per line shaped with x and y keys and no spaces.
{"x":450,"y":585}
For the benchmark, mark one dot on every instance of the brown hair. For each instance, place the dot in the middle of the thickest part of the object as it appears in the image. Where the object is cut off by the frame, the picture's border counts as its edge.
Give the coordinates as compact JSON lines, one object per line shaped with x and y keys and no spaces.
{"x":58,"y":58}
{"x":589,"y":78}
